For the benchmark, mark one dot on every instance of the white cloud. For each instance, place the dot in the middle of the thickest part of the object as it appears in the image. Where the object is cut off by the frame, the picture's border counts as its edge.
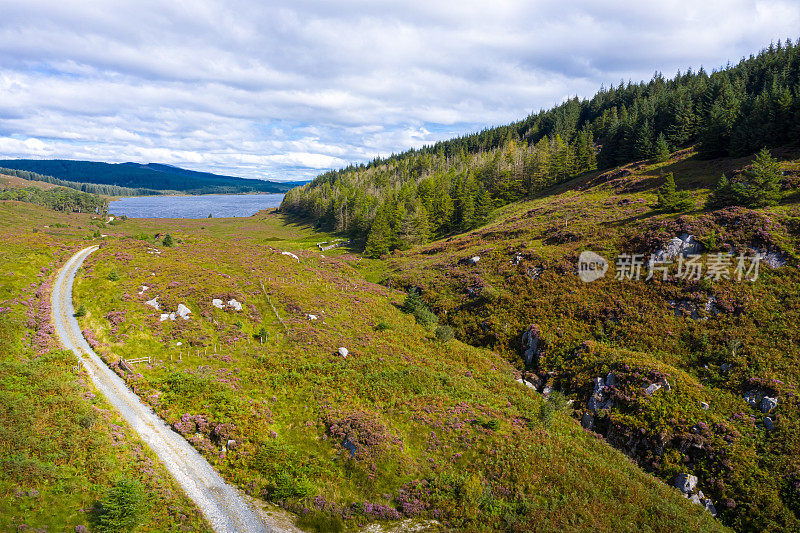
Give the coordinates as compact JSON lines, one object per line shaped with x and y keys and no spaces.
{"x":285,"y":89}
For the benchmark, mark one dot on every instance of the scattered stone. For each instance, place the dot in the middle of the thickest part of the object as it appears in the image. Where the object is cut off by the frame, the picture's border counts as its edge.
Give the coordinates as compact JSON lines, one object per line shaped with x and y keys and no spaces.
{"x":235,"y":305}
{"x":154,"y":303}
{"x":546,"y":390}
{"x":183,"y":312}
{"x":216,"y":302}
{"x":231,"y":444}
{"x":686,"y":483}
{"x":474,"y":260}
{"x":768,"y":404}
{"x":163,"y":317}
{"x":725,"y":367}
{"x":343,"y":352}
{"x":769,"y":424}
{"x":704,"y":406}
{"x":312,"y":317}
{"x":290,"y":254}
{"x":172,"y":316}
{"x":533,"y":272}
{"x":587,"y":421}
{"x":145,"y":288}
{"x":517,"y":259}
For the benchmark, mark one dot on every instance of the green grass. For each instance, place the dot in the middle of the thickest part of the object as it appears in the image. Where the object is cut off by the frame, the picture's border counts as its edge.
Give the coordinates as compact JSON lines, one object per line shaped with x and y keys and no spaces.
{"x":405,"y":426}
{"x":63,"y":447}
{"x":745,"y":469}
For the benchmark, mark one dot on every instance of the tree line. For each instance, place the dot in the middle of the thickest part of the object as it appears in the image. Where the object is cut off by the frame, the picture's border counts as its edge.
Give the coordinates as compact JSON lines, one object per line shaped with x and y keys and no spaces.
{"x":59,"y":199}
{"x":452,"y":185}
{"x":91,"y":188}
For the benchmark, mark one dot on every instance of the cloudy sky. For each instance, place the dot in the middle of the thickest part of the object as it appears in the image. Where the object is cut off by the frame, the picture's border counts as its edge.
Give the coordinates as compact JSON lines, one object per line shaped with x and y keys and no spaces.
{"x":284,"y":90}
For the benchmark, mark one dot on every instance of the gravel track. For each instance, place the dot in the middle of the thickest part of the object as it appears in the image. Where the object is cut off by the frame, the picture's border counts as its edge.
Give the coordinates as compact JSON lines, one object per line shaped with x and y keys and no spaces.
{"x":221,"y":504}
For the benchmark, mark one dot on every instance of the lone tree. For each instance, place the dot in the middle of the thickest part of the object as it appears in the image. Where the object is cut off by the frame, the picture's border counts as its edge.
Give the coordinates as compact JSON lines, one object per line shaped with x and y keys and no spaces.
{"x":661,"y":149}
{"x":758,"y":186}
{"x":123,"y":508}
{"x":672,"y":200}
{"x":168,"y":240}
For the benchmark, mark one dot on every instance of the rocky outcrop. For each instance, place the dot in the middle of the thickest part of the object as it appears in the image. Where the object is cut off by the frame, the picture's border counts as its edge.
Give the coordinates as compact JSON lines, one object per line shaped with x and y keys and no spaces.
{"x":760,"y":400}
{"x":687,"y":484}
{"x":653,"y":387}
{"x":601,"y":397}
{"x":531,"y":341}
{"x":684,"y":245}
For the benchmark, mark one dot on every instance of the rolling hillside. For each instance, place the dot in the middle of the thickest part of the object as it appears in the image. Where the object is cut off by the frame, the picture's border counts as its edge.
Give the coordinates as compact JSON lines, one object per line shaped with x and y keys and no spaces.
{"x":149,"y":178}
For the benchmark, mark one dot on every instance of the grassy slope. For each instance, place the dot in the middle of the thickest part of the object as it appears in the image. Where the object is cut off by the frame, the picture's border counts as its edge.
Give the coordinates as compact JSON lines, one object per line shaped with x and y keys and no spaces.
{"x":63,"y":446}
{"x":433,"y":431}
{"x":633,"y":329}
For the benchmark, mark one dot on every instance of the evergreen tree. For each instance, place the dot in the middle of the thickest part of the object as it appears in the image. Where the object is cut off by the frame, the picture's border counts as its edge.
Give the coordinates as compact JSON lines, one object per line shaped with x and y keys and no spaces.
{"x":662,"y":149}
{"x":380,"y":237}
{"x":672,"y":200}
{"x":760,"y":185}
{"x":722,"y":195}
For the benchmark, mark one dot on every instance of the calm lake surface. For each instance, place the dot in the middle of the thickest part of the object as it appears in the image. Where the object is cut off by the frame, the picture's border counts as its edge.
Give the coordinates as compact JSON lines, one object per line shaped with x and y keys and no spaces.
{"x":217,"y":205}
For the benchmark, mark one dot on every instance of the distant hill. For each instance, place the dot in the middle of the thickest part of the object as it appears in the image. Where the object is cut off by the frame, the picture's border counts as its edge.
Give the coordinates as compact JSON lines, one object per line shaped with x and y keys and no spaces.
{"x":150,"y":176}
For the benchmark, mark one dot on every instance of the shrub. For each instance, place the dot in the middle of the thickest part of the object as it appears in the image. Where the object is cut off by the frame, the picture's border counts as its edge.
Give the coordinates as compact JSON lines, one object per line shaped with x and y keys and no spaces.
{"x":168,"y":240}
{"x":444,"y":333}
{"x":555,"y":403}
{"x":286,"y":486}
{"x":81,"y":311}
{"x":413,"y":304}
{"x":113,"y":276}
{"x":382,"y":326}
{"x":123,"y":509}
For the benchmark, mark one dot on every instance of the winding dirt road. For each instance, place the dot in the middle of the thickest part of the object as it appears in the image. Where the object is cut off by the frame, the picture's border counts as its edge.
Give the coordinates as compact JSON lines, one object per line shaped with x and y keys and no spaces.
{"x":220,"y":503}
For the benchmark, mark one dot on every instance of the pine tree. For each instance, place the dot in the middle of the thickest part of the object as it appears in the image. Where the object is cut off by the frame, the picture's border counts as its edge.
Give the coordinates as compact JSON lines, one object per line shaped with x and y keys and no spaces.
{"x":662,"y":149}
{"x":672,"y":200}
{"x":722,"y":195}
{"x":761,"y":184}
{"x":380,"y":239}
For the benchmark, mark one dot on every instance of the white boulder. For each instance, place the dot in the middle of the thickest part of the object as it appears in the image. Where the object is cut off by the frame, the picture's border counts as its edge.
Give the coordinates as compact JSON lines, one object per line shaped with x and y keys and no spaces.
{"x":154,"y":303}
{"x":290,"y":254}
{"x":183,"y":311}
{"x":216,"y":302}
{"x":235,"y":305}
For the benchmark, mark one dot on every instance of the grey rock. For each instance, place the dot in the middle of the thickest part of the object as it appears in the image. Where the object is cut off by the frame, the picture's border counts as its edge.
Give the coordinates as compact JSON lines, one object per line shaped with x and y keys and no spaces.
{"x":686,"y":483}
{"x":767,"y":404}
{"x":235,"y":305}
{"x":695,"y":499}
{"x":611,"y":379}
{"x":530,"y":344}
{"x":216,"y":302}
{"x":665,"y":384}
{"x":704,"y":406}
{"x":183,"y":311}
{"x":599,"y":385}
{"x":752,"y":398}
{"x":587,"y":421}
{"x":474,"y":260}
{"x":517,"y":259}
{"x":652,"y":388}
{"x":154,"y":303}
{"x":684,"y":245}
{"x":546,"y":390}
{"x":769,"y":424}
{"x":343,"y":352}
{"x":709,"y":505}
